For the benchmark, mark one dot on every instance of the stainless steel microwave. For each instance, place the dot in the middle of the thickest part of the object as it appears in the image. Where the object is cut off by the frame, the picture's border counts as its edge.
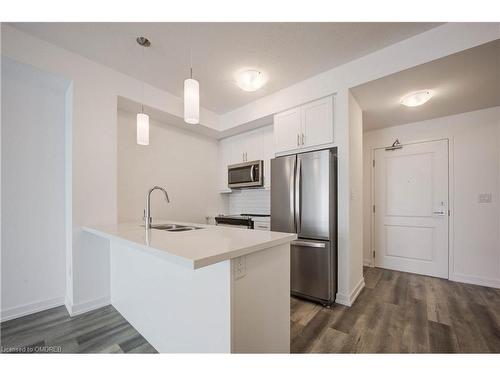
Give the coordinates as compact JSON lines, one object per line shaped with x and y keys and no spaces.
{"x":245,"y":175}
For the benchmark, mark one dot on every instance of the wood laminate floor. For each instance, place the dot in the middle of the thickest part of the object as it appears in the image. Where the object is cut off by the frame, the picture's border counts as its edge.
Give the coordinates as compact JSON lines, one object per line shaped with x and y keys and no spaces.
{"x":99,"y":331}
{"x":395,"y":313}
{"x":400,"y":312}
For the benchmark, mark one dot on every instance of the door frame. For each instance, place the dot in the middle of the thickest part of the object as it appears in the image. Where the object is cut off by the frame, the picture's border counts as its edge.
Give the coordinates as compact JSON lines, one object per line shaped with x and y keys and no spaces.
{"x":451,"y":200}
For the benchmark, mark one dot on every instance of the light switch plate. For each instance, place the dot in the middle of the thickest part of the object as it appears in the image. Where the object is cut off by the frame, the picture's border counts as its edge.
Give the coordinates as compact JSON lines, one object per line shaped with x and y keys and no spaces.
{"x":240,"y":267}
{"x":484,"y":198}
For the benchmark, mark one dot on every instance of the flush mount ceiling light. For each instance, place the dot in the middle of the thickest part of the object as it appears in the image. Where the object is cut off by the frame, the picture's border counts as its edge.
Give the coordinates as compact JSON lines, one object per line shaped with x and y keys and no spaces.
{"x":142,"y":118}
{"x":250,"y":80}
{"x":414,"y":99}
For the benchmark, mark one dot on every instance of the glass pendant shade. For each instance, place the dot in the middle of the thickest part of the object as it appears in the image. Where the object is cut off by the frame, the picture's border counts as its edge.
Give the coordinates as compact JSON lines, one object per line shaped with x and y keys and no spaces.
{"x":142,"y":129}
{"x":191,"y":101}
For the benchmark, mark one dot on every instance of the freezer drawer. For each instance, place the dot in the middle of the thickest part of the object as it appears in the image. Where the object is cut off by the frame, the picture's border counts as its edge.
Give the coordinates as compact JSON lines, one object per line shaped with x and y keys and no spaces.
{"x":311,"y":269}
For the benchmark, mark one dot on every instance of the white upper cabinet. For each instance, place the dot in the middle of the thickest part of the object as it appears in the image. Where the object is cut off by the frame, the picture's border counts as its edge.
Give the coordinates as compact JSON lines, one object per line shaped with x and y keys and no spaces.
{"x":306,"y":126}
{"x":286,"y":130}
{"x":224,"y":159}
{"x":317,"y":122}
{"x":236,"y":145}
{"x":252,"y":145}
{"x":268,"y":153}
{"x":246,"y":146}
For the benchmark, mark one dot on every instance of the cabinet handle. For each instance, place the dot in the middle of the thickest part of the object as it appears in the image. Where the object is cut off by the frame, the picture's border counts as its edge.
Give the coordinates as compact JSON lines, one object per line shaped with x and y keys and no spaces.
{"x":298,"y":139}
{"x":302,"y":139}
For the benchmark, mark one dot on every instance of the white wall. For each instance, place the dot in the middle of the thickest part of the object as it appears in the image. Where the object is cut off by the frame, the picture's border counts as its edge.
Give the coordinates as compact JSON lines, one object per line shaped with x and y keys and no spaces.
{"x":93,"y":153}
{"x":474,"y":169}
{"x":250,"y":201}
{"x":182,"y":161}
{"x":356,"y":280}
{"x":33,"y":189}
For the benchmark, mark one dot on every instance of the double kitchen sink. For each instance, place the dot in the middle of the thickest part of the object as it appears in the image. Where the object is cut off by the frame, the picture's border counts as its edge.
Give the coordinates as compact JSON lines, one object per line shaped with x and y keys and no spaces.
{"x":174,"y":227}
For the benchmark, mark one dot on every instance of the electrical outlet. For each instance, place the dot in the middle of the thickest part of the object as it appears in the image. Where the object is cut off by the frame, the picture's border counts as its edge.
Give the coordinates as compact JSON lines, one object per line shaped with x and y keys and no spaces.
{"x":240,"y":267}
{"x":484,"y":198}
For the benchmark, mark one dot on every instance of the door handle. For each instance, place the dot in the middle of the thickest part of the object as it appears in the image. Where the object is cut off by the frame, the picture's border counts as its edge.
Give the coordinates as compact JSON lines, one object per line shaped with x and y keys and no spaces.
{"x":302,"y":139}
{"x":252,"y":168}
{"x":441,"y":213}
{"x":309,"y":244}
{"x":298,"y":139}
{"x":298,"y":177}
{"x":291,"y":189}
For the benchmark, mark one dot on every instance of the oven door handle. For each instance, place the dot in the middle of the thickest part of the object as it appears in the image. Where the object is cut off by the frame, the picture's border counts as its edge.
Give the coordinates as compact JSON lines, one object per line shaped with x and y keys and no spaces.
{"x":252,"y":174}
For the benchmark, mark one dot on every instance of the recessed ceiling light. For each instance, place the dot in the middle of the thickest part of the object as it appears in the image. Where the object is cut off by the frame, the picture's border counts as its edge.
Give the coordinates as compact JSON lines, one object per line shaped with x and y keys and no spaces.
{"x":416,"y":98}
{"x":250,"y":80}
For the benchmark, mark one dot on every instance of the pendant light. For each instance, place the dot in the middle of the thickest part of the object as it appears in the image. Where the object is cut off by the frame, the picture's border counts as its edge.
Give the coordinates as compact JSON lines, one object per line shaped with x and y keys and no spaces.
{"x":191,"y":95}
{"x":142,"y":118}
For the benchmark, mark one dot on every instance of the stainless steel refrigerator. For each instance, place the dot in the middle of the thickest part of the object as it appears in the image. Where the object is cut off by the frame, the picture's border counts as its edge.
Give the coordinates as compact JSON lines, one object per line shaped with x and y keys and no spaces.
{"x":304,"y":201}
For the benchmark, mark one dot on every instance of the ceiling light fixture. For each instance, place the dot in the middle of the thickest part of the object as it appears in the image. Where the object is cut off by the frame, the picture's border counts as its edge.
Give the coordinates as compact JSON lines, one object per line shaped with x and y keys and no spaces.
{"x":191,"y":95}
{"x":250,"y":80}
{"x":142,"y":118}
{"x":414,"y":99}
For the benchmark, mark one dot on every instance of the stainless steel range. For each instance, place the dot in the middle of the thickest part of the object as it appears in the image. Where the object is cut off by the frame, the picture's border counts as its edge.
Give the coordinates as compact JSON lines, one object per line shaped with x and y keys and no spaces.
{"x":248,"y":221}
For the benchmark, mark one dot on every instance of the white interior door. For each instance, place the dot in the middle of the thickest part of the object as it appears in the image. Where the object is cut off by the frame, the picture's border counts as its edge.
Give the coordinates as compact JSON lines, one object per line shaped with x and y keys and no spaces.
{"x":411,"y":208}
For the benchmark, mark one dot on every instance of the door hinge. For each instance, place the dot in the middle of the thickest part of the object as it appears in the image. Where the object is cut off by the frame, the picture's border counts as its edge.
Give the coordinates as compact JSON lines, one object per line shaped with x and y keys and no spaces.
{"x":373,"y":163}
{"x":373,"y":208}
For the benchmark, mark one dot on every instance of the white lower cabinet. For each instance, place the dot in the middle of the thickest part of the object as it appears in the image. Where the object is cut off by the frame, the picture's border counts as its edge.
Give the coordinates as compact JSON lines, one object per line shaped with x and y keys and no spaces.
{"x":261,"y":225}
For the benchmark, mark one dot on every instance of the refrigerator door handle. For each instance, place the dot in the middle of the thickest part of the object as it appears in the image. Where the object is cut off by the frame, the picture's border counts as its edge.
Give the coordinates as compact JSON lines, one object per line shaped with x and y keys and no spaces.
{"x":298,"y":177}
{"x":309,"y":244}
{"x":292,"y":196}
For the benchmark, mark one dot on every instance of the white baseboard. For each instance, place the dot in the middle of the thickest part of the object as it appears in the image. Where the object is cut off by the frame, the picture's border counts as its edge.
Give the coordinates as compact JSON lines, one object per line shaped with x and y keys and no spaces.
{"x":469,"y":279}
{"x":342,"y":299}
{"x":83,"y":307}
{"x":348,"y":300}
{"x":31,"y":308}
{"x":367,"y":262}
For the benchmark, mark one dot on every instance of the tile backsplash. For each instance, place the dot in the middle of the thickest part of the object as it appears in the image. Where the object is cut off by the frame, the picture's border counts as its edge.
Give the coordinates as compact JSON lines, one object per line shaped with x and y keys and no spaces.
{"x":254,"y":201}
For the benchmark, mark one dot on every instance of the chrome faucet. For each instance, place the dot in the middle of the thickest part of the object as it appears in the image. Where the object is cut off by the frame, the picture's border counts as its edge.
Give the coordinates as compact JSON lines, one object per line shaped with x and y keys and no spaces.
{"x":147,"y":212}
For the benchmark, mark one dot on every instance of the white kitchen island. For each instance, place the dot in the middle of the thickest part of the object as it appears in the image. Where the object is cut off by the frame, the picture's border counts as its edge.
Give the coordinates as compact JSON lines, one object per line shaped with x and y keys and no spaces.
{"x":215,"y":289}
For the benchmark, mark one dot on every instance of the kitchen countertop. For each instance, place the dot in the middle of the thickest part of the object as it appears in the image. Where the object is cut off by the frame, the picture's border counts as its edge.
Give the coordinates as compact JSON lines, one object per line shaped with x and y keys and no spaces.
{"x":196,"y":248}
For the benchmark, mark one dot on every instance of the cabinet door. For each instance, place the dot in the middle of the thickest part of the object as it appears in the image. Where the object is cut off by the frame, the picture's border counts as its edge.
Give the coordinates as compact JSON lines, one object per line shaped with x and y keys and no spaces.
{"x":224,"y":154}
{"x":268,"y":153}
{"x":286,"y":130}
{"x":237,"y":153}
{"x":253,"y":145}
{"x":317,"y":122}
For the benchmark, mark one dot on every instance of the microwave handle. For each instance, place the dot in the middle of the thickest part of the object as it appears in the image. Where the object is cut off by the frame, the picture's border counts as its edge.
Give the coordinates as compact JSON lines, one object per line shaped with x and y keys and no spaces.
{"x":252,"y":168}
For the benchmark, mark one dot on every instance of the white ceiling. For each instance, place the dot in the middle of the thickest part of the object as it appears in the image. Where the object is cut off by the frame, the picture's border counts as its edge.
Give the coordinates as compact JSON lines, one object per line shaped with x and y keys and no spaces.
{"x":462,"y":82}
{"x":286,"y":52}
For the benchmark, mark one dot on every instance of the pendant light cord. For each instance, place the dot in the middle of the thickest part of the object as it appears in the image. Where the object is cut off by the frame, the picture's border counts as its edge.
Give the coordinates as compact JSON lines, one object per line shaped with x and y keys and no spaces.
{"x":142,"y":94}
{"x":191,"y":49}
